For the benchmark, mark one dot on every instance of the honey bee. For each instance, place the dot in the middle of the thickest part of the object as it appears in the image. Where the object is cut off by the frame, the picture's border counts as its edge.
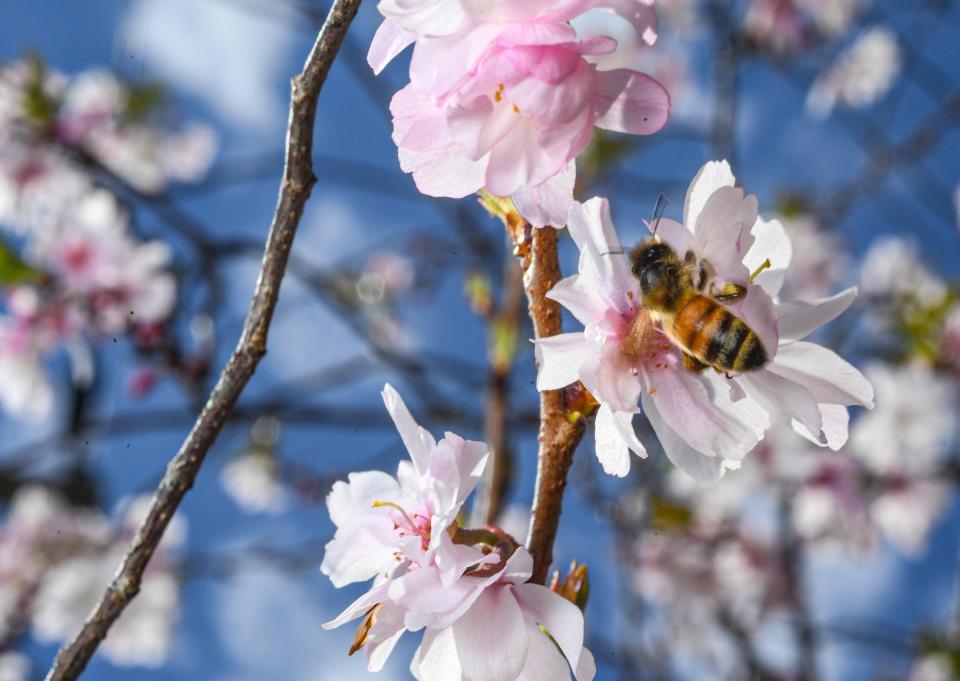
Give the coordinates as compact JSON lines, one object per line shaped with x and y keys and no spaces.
{"x":673,"y":290}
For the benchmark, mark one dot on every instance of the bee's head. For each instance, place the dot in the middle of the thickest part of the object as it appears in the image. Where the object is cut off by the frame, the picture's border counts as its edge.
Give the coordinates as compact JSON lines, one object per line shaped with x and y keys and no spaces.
{"x":658,"y":269}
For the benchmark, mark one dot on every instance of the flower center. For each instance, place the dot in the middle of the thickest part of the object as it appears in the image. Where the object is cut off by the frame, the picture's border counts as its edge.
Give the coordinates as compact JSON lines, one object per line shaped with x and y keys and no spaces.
{"x":417,"y":524}
{"x":643,"y":342}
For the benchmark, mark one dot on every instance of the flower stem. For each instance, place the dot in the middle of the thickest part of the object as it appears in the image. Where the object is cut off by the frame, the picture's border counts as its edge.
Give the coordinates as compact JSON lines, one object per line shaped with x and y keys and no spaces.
{"x":558,"y":436}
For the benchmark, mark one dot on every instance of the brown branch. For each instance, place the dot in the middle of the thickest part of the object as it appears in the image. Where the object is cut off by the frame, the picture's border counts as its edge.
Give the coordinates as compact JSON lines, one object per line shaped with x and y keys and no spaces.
{"x":298,"y":180}
{"x":558,"y":436}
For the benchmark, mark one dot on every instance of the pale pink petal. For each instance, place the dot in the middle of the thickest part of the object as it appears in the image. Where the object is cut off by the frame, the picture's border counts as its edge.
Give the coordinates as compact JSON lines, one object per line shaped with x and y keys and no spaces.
{"x":548,"y":204}
{"x":440,"y":64}
{"x":771,"y":243}
{"x":544,"y":662}
{"x":687,"y":407}
{"x":581,"y":297}
{"x":536,"y":34}
{"x":559,"y":358}
{"x":631,"y":102}
{"x":760,"y":314}
{"x":705,"y":470}
{"x":831,"y":379}
{"x":389,"y":41}
{"x":601,"y":256}
{"x":675,"y":235}
{"x":712,"y":176}
{"x":416,"y":439}
{"x":426,"y":149}
{"x":479,"y":125}
{"x":561,"y":618}
{"x":491,"y":637}
{"x":798,"y":319}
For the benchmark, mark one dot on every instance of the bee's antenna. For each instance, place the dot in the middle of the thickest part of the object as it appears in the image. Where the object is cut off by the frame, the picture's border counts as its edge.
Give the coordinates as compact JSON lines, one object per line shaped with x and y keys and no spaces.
{"x":662,"y":202}
{"x":617,"y":252}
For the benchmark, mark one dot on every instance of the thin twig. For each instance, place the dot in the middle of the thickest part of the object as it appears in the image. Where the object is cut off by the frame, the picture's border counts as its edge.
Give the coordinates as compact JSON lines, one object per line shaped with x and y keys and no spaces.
{"x":298,"y":180}
{"x":558,"y":436}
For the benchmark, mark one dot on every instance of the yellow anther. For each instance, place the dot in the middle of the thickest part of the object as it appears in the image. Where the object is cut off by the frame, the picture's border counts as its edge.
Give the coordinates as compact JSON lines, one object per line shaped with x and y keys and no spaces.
{"x":766,"y":264}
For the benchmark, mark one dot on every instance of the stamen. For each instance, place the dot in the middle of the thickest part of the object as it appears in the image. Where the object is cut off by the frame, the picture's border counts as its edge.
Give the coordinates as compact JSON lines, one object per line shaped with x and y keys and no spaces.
{"x":390,"y":504}
{"x":498,"y":95}
{"x":763,"y":266}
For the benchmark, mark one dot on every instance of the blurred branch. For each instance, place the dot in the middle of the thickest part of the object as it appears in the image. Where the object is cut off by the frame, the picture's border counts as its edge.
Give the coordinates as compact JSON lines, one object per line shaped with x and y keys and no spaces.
{"x":294,"y":192}
{"x":503,"y":332}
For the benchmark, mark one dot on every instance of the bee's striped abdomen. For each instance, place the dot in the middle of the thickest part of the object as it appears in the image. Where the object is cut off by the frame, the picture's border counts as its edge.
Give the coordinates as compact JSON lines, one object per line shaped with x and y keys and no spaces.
{"x":717,"y":337}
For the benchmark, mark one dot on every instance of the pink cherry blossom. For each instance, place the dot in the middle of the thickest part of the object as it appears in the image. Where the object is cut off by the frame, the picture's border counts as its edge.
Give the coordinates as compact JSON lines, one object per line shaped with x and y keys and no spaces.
{"x":478,"y":612}
{"x":706,"y":423}
{"x":507,"y":104}
{"x":384,"y":522}
{"x":701,"y":428}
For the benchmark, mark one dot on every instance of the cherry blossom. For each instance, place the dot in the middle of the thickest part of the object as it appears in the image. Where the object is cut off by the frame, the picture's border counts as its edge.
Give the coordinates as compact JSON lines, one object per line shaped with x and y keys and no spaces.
{"x":860,"y":76}
{"x":702,"y":420}
{"x":515,"y":102}
{"x":914,"y":423}
{"x":109,"y":122}
{"x":55,"y":561}
{"x":480,"y":616}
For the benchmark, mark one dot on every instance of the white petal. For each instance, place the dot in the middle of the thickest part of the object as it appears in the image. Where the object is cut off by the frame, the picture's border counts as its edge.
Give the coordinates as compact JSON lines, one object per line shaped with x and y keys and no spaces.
{"x":544,"y":661}
{"x":561,"y":618}
{"x":612,"y":450}
{"x":358,"y":554}
{"x":771,"y":242}
{"x":835,"y":428}
{"x":711,"y":177}
{"x":491,"y":637}
{"x":350,"y":501}
{"x":358,"y":607}
{"x":417,"y":440}
{"x":436,"y":658}
{"x":723,"y":232}
{"x":782,"y":397}
{"x":706,"y":470}
{"x":830,"y":378}
{"x":580,"y":295}
{"x":549,"y":203}
{"x":798,"y":319}
{"x":587,"y":668}
{"x":560,"y":358}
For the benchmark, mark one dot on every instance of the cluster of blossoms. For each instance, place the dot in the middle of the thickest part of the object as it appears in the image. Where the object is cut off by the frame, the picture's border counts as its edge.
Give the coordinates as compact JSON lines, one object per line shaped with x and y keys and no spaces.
{"x":82,"y":278}
{"x":79,"y":273}
{"x":706,"y":422}
{"x":55,"y":129}
{"x":714,"y":563}
{"x":504,"y":95}
{"x":466,"y":589}
{"x":788,"y":26}
{"x":860,"y":76}
{"x":912,"y":312}
{"x":56,"y":560}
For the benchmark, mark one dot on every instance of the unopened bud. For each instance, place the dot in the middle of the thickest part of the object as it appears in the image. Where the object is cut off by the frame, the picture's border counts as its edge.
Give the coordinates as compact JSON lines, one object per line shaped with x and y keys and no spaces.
{"x":575,"y":587}
{"x":580,"y":402}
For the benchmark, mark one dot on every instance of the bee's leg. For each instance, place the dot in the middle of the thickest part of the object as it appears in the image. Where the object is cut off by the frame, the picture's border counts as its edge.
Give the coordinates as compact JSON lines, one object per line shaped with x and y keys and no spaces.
{"x":730,"y":293}
{"x":692,"y":364}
